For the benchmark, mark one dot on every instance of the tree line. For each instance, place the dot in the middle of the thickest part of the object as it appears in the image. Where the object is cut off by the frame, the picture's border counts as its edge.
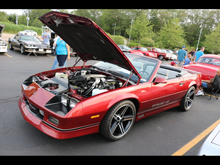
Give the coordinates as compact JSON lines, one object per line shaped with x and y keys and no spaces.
{"x":164,"y":28}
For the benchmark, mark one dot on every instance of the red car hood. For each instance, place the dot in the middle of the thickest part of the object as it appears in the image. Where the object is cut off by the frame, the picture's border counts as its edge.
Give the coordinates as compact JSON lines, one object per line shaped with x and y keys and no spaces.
{"x":86,"y":38}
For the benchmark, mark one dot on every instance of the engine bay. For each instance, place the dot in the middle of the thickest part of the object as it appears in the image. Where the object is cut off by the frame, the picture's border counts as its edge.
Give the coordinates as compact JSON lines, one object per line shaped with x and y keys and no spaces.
{"x":78,"y":83}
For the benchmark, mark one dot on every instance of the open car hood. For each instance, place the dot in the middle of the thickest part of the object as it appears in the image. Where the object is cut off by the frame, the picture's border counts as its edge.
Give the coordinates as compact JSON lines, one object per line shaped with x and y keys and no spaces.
{"x":86,"y":38}
{"x":1,"y":29}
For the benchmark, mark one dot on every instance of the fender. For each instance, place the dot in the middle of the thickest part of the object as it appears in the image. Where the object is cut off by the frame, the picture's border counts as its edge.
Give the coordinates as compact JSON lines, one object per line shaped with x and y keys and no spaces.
{"x":191,"y":84}
{"x":122,"y":97}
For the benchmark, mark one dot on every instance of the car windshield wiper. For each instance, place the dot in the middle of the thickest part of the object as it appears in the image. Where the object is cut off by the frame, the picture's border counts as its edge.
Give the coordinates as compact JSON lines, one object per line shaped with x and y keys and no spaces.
{"x":116,"y":73}
{"x":97,"y":68}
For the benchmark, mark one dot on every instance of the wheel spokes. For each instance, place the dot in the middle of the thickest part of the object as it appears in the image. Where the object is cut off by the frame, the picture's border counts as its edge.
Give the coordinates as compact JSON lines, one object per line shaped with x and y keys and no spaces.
{"x":122,"y":120}
{"x":113,"y":128}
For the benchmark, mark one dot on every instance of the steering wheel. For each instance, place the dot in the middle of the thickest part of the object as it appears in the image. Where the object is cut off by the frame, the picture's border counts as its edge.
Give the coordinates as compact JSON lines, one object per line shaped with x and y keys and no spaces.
{"x":144,"y":72}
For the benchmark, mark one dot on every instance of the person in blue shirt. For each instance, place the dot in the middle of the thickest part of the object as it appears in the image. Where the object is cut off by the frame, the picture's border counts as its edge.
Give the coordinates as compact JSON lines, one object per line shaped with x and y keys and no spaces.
{"x":199,"y":53}
{"x":187,"y":60}
{"x":181,"y":55}
{"x":46,"y":37}
{"x":62,"y":52}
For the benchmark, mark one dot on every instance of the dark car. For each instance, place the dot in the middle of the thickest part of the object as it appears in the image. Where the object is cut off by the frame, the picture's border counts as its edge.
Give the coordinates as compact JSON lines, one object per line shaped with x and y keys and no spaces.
{"x":27,"y":43}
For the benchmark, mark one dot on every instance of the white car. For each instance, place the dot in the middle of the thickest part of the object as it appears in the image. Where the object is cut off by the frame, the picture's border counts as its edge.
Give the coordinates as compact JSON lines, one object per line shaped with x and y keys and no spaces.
{"x":170,"y":55}
{"x":28,"y":32}
{"x":174,"y":57}
{"x":3,"y":44}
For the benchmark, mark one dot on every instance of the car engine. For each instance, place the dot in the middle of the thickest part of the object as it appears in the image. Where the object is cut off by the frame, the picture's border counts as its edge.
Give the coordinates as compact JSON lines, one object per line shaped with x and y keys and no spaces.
{"x":86,"y":81}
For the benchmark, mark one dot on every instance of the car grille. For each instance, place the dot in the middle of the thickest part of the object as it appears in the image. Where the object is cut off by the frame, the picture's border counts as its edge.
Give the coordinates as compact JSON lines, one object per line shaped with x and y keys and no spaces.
{"x":34,"y":110}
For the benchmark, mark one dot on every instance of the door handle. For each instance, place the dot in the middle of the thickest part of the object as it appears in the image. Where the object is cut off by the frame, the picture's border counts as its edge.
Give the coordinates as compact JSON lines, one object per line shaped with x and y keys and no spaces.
{"x":181,"y":83}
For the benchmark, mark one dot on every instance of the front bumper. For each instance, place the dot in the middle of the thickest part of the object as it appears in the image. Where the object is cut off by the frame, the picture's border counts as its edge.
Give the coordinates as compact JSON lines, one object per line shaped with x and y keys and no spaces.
{"x":47,"y":128}
{"x":3,"y":49}
{"x":39,"y":51}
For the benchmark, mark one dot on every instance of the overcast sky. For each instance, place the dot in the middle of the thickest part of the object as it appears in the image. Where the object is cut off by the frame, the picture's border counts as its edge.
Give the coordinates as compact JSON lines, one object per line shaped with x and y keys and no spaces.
{"x":13,"y":11}
{"x":18,"y":11}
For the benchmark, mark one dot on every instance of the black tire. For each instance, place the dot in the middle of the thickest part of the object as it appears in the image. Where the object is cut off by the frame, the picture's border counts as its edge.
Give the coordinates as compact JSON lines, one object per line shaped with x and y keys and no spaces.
{"x":10,"y":46}
{"x":118,"y":120}
{"x":160,"y":57}
{"x":22,"y":49}
{"x":188,"y":99}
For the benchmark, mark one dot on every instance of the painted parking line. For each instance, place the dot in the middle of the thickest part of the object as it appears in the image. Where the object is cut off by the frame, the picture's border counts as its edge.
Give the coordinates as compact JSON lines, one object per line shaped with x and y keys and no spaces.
{"x":197,"y":139}
{"x":7,"y":55}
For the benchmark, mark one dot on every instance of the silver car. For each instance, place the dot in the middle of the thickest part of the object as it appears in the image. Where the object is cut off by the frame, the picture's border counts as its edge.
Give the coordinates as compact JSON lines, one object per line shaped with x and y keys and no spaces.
{"x":211,"y":146}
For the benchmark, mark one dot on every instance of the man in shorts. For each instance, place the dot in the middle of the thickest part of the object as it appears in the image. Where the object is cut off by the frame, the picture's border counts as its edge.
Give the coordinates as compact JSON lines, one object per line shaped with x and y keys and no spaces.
{"x":181,"y":55}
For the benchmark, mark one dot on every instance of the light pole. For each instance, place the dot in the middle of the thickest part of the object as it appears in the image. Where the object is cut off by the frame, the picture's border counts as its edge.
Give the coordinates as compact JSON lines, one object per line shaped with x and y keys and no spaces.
{"x":16,"y":19}
{"x":114,"y":28}
{"x":27,"y":18}
{"x":130,"y":30}
{"x":199,"y":36}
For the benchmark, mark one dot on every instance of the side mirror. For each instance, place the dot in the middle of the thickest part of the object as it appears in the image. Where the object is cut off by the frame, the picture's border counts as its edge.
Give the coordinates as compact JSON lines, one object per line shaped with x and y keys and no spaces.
{"x":159,"y":80}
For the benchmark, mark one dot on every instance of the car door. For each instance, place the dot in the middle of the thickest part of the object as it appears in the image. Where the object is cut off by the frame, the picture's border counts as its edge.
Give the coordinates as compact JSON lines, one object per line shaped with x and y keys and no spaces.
{"x":15,"y":42}
{"x":162,"y":94}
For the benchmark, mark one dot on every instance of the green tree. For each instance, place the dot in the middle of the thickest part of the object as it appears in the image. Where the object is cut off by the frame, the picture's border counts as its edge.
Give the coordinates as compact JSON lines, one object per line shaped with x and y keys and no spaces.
{"x":140,"y":28}
{"x":3,"y":17}
{"x":22,"y":20}
{"x":171,"y":34}
{"x":12,"y":18}
{"x":212,"y":41}
{"x":36,"y":23}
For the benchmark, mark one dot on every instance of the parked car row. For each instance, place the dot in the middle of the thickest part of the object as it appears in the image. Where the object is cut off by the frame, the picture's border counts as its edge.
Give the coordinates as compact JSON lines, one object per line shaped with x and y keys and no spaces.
{"x":28,"y":32}
{"x":150,"y":51}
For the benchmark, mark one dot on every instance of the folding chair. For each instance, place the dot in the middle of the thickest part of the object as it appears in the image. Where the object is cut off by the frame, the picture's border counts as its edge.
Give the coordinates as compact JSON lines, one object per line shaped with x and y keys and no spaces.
{"x":214,"y":92}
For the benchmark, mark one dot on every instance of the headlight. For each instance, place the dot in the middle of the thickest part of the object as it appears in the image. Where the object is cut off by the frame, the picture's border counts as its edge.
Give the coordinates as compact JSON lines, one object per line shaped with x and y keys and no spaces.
{"x":61,"y":105}
{"x":68,"y":102}
{"x":53,"y":120}
{"x":25,"y":44}
{"x":64,"y":100}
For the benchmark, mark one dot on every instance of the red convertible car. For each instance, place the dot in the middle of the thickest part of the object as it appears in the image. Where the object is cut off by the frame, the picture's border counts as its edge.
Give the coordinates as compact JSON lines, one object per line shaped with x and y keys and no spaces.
{"x":207,"y":64}
{"x":107,"y":97}
{"x":145,"y":51}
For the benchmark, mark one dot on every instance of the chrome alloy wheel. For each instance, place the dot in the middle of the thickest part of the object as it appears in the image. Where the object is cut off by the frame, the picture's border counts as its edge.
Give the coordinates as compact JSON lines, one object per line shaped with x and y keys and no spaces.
{"x":189,"y":98}
{"x":122,"y":120}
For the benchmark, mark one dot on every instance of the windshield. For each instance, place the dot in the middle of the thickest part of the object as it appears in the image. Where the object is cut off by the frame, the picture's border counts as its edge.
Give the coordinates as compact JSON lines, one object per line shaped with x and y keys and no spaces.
{"x":158,"y":50}
{"x":30,"y":38}
{"x":144,"y":66}
{"x":143,"y":49}
{"x":124,"y":47}
{"x":164,"y":51}
{"x":208,"y":60}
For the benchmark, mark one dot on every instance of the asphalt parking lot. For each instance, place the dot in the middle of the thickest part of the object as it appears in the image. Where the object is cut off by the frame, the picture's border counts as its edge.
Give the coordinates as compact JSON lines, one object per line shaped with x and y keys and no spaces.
{"x":160,"y":134}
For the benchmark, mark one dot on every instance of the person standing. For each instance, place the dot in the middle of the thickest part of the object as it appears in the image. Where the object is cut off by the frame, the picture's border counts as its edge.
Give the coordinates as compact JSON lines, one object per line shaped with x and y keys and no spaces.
{"x":55,"y":60}
{"x":181,"y":55}
{"x":62,"y":52}
{"x":199,"y":53}
{"x":46,"y":37}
